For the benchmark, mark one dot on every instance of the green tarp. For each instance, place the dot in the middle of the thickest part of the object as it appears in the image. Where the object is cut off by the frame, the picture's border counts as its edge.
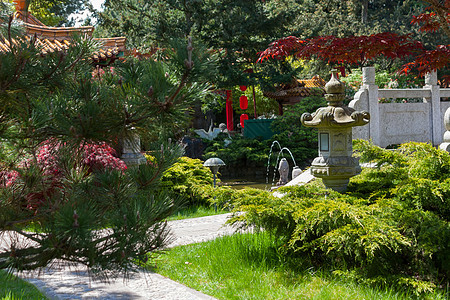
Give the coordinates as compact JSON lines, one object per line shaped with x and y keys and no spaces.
{"x":258,"y":128}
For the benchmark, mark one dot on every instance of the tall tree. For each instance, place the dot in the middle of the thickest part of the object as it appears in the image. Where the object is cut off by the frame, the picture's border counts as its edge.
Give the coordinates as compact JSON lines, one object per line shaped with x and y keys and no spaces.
{"x":234,"y":29}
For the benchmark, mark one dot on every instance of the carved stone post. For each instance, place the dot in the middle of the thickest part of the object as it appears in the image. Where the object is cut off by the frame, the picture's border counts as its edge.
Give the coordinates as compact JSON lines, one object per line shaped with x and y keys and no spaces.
{"x":435,"y":101}
{"x":131,"y":151}
{"x":372,"y":89}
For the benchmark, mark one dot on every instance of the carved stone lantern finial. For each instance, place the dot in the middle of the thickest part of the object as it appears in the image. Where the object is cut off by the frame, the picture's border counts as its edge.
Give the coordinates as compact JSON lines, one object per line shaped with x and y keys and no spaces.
{"x":335,"y":164}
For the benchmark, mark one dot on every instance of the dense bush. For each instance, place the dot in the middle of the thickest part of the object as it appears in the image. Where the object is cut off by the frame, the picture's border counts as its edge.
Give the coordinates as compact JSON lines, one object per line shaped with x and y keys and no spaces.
{"x":391,"y":226}
{"x":189,"y":179}
{"x":73,"y":191}
{"x":241,"y":152}
{"x":52,"y":161}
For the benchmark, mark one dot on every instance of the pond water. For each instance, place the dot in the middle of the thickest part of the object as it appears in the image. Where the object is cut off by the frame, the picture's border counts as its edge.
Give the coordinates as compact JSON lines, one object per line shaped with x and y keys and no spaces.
{"x":241,"y":183}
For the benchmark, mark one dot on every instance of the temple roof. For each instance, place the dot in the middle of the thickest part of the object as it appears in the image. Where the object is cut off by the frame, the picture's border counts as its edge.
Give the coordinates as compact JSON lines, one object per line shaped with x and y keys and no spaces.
{"x":52,"y":39}
{"x":292,"y":93}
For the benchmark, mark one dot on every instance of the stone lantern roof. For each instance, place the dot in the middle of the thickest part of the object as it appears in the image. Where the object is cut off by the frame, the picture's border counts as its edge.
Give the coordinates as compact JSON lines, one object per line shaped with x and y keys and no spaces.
{"x":335,"y":114}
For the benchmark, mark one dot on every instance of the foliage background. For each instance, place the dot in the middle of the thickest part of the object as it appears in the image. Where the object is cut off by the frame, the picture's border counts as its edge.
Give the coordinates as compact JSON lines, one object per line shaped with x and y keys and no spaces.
{"x":391,"y":226}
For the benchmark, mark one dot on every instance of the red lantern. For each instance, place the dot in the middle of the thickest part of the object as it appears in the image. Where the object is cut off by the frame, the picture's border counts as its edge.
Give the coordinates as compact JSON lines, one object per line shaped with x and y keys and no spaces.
{"x":229,"y":110}
{"x":243,"y":102}
{"x":243,"y":118}
{"x":243,"y":87}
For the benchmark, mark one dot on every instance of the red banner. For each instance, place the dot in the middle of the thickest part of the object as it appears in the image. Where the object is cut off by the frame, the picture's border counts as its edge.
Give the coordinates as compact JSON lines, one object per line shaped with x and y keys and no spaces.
{"x":242,"y":119}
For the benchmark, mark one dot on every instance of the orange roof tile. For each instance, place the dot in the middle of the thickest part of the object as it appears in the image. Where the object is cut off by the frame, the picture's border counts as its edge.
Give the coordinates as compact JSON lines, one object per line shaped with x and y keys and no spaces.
{"x":52,"y":39}
{"x":293,"y":92}
{"x":27,"y":18}
{"x":57,"y":32}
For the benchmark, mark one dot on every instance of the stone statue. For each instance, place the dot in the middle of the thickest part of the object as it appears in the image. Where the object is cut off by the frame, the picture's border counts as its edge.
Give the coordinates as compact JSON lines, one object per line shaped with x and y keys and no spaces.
{"x":131,"y":151}
{"x":283,"y":169}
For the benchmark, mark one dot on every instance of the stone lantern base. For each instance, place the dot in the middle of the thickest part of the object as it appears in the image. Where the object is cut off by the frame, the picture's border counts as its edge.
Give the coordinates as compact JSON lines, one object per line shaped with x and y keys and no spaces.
{"x":335,"y":171}
{"x":133,"y":159}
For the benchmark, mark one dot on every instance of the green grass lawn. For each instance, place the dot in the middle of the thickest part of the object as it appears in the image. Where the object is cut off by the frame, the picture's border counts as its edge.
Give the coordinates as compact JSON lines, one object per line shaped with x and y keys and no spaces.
{"x":13,"y":288}
{"x":246,"y":266}
{"x":195,"y":212}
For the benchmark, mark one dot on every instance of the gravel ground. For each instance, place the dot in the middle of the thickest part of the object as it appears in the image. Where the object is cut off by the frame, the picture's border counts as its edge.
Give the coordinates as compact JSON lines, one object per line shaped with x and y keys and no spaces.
{"x":66,"y":282}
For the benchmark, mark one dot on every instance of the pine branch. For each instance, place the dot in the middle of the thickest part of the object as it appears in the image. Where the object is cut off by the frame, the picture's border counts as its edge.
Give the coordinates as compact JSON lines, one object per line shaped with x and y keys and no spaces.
{"x":50,"y":74}
{"x":188,"y":64}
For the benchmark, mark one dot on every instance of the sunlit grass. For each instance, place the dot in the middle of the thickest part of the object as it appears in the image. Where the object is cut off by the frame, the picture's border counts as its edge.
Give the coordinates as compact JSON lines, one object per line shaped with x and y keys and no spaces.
{"x":195,"y":212}
{"x":246,"y":266}
{"x":14,"y":288}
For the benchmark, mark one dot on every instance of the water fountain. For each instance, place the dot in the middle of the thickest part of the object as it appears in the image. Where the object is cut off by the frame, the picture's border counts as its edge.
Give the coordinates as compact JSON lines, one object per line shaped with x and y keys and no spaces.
{"x":282,"y":149}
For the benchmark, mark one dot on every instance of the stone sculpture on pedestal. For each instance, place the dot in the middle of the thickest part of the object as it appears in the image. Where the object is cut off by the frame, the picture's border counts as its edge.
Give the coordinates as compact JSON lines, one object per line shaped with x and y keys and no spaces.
{"x":283,"y":169}
{"x":131,"y":151}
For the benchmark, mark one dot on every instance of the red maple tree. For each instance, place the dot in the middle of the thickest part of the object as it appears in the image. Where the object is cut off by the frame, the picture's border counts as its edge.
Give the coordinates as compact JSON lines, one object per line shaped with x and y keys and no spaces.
{"x":436,"y":17}
{"x":362,"y":49}
{"x":351,"y":50}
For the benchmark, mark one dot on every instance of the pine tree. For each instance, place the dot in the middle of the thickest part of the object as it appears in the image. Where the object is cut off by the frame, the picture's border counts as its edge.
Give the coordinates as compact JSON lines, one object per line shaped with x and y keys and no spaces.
{"x":64,"y":196}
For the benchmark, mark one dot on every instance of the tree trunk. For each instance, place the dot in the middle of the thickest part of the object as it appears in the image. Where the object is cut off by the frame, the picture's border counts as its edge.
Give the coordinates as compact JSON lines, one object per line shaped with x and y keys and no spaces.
{"x":364,"y":11}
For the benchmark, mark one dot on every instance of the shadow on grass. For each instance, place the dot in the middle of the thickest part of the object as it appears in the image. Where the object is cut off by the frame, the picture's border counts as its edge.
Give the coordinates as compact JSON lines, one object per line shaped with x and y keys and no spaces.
{"x":255,"y":266}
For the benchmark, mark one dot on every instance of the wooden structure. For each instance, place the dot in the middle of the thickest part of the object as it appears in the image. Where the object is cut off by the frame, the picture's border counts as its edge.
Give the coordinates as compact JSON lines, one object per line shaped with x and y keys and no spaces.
{"x":289,"y":94}
{"x":52,"y":39}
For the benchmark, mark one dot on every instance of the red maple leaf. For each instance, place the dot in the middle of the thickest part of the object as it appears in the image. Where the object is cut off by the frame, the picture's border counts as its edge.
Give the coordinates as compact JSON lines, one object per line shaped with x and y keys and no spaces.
{"x":351,"y":50}
{"x":430,"y":60}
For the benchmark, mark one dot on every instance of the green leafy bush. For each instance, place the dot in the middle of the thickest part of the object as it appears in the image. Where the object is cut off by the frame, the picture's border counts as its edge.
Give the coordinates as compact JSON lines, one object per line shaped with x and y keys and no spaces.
{"x":189,"y":179}
{"x":392,"y":224}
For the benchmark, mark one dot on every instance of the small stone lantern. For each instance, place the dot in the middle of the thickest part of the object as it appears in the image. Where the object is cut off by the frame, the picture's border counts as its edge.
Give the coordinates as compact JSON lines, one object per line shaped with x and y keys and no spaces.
{"x":335,"y":164}
{"x":214,"y":163}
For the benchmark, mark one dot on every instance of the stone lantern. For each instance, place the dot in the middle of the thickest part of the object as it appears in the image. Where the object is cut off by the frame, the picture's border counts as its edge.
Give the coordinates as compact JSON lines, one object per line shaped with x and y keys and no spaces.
{"x":335,"y":164}
{"x":131,"y":151}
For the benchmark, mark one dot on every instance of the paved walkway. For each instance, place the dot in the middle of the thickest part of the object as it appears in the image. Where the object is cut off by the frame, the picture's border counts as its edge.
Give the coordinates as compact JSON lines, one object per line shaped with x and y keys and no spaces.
{"x":74,"y":283}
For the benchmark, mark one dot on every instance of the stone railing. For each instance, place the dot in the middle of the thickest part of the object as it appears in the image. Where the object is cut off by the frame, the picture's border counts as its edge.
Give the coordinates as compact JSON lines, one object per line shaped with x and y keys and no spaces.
{"x":396,"y":123}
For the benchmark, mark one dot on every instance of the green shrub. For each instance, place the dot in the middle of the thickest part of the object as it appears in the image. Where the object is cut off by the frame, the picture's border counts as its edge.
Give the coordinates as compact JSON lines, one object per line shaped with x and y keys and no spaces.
{"x":241,"y":152}
{"x":393,"y":222}
{"x":189,"y":179}
{"x":300,"y":140}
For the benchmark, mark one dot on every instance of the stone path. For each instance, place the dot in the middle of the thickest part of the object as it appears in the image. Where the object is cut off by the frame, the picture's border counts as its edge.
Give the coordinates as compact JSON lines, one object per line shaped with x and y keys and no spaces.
{"x":74,"y":283}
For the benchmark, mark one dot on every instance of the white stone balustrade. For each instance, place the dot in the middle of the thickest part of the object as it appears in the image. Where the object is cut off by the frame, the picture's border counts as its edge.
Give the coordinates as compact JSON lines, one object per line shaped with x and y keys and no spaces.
{"x":396,"y":123}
